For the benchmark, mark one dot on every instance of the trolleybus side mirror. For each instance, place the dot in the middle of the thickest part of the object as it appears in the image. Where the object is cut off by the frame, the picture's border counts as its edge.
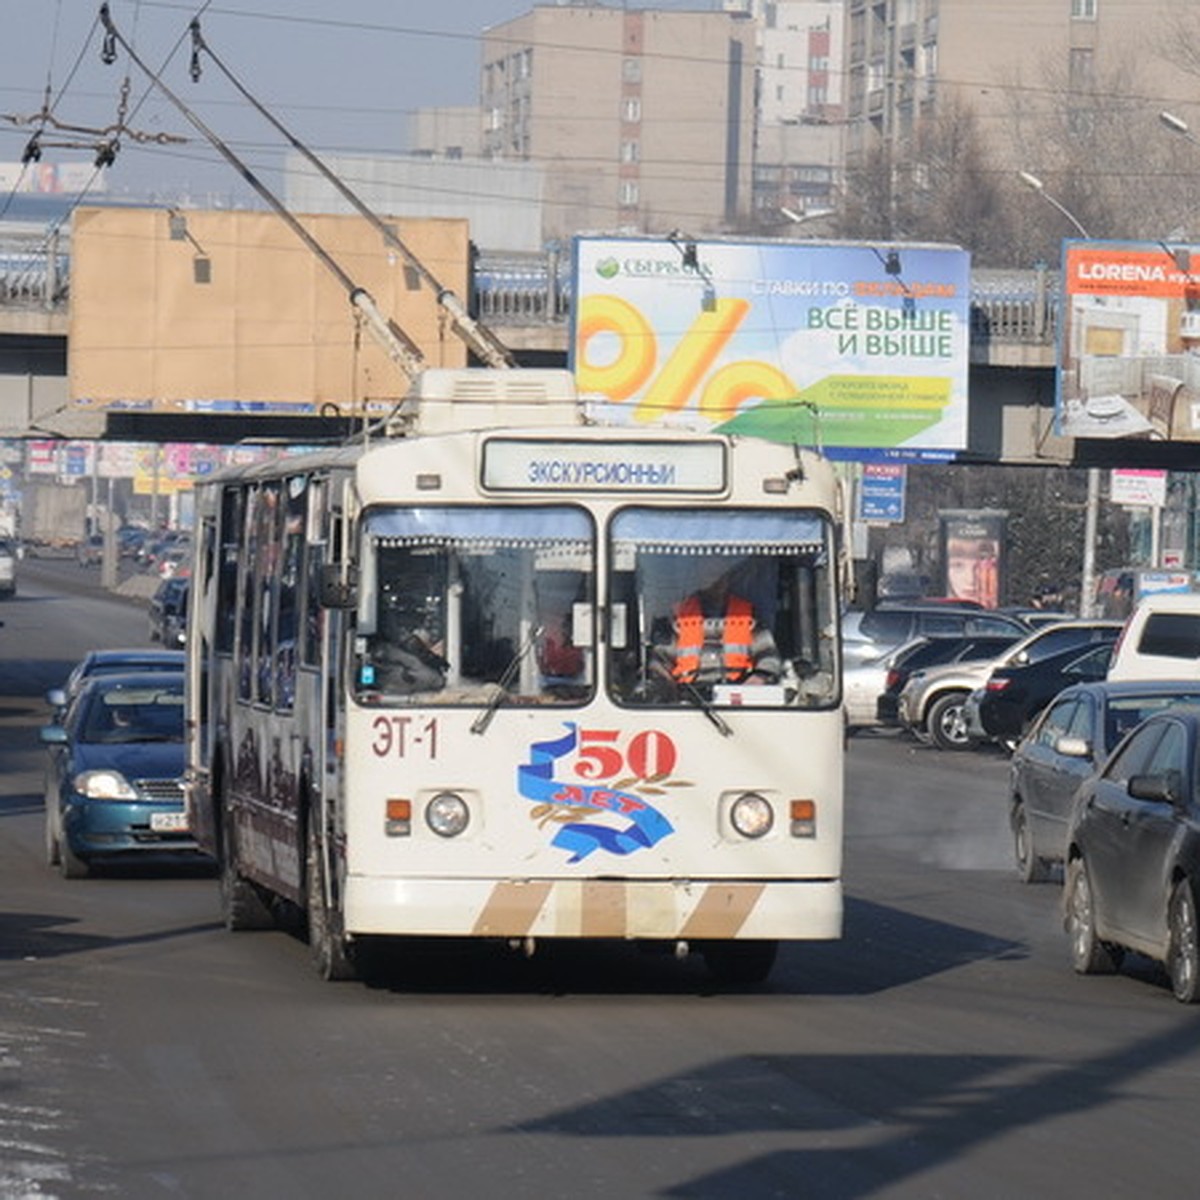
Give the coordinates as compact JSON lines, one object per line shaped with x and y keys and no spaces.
{"x":337,"y":592}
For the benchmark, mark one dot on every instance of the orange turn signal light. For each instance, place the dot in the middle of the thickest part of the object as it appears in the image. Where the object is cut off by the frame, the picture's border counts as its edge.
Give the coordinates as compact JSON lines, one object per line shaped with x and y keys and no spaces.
{"x":399,"y":817}
{"x":804,"y":818}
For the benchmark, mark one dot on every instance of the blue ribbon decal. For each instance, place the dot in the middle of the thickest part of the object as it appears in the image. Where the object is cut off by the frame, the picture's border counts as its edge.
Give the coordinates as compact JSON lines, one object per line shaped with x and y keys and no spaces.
{"x":536,"y":782}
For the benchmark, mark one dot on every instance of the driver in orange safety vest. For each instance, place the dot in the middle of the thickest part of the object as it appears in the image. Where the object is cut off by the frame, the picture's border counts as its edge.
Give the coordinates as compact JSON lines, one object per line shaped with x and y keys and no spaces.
{"x":718,"y":640}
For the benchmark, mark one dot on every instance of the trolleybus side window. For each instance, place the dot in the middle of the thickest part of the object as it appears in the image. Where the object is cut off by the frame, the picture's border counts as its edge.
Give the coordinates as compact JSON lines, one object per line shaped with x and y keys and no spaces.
{"x":467,"y":605}
{"x":289,"y":594}
{"x":314,"y":560}
{"x":266,"y":585}
{"x":246,"y":596}
{"x":722,"y":606}
{"x":232,"y":530}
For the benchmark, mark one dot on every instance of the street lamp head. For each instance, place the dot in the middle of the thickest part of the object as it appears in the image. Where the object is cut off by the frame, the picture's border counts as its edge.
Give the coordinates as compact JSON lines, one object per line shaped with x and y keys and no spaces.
{"x":1032,"y":181}
{"x":1174,"y":124}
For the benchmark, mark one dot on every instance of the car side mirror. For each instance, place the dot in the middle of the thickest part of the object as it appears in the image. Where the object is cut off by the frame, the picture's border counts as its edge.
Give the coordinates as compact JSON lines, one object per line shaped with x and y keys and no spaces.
{"x":1073,"y":747}
{"x":56,"y":697}
{"x":52,"y":735}
{"x":1164,"y":787}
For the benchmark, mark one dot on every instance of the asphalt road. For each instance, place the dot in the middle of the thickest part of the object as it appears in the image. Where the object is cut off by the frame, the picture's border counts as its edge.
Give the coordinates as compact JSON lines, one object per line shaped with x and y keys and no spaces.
{"x":942,"y":1048}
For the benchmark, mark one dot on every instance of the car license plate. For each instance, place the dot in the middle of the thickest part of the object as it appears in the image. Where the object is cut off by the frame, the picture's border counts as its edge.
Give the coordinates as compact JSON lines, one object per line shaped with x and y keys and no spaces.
{"x":169,"y":822}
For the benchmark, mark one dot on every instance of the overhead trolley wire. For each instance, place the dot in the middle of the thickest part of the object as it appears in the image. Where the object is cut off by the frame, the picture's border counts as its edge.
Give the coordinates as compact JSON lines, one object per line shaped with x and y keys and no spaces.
{"x":479,"y":338}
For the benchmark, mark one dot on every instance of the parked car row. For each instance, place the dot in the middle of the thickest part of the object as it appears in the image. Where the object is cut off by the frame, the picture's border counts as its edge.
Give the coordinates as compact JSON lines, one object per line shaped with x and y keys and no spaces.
{"x":933,"y":703}
{"x":1105,"y":779}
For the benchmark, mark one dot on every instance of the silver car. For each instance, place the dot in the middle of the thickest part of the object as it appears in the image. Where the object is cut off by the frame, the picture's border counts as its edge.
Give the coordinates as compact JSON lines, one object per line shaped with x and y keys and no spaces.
{"x":932,"y":704}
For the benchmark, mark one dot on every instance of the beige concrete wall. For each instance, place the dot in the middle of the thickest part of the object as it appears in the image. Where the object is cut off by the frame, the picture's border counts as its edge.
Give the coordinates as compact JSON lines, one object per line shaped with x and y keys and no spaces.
{"x":272,"y":326}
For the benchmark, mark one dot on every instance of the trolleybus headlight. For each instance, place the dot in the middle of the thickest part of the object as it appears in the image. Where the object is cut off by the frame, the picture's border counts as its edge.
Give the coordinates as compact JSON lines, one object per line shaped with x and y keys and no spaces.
{"x":447,"y":814}
{"x":751,"y":815}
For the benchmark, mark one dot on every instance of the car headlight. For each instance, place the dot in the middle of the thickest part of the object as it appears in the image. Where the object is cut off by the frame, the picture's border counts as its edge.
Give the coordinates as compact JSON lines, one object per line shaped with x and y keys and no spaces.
{"x":103,"y":785}
{"x":447,"y":814}
{"x":751,"y":815}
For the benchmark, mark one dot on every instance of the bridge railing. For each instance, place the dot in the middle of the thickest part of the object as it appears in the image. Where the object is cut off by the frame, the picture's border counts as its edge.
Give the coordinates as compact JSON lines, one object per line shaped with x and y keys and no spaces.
{"x":531,"y":290}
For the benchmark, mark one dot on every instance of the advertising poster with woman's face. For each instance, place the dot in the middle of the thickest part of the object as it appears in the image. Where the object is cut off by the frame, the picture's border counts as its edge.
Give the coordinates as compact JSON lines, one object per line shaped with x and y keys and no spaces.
{"x":972,"y":551}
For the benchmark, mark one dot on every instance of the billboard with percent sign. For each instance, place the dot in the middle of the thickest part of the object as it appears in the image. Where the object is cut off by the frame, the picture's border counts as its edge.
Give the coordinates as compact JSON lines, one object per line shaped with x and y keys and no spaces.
{"x":862,"y":346}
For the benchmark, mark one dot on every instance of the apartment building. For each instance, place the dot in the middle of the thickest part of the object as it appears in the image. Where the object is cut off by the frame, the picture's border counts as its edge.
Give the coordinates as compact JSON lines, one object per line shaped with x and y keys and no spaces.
{"x":1010,"y":62}
{"x":643,"y":120}
{"x":800,"y":123}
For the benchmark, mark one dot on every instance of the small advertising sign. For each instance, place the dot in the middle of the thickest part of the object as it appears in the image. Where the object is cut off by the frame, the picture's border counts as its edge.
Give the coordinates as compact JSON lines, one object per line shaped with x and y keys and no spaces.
{"x":973,"y":555}
{"x":1139,"y":489}
{"x":881,"y":492}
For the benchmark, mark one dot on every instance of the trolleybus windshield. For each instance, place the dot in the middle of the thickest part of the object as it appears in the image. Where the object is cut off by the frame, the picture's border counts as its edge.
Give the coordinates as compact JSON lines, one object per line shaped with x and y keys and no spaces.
{"x":472,"y":605}
{"x":728,"y":607}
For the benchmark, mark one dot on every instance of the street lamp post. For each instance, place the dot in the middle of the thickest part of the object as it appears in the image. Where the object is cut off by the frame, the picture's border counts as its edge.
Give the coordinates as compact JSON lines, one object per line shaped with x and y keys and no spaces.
{"x":1087,"y":583}
{"x":1035,"y":184}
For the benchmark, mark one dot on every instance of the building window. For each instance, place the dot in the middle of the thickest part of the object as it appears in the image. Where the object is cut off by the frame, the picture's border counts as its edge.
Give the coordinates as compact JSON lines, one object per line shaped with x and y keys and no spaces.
{"x":631,"y":109}
{"x":629,"y":193}
{"x":1081,"y":70}
{"x":630,"y":152}
{"x":631,"y":70}
{"x":1084,"y":10}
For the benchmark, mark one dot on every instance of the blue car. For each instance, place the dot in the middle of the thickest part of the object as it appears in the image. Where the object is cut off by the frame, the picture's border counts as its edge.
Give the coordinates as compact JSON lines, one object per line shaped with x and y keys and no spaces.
{"x":114,"y":780}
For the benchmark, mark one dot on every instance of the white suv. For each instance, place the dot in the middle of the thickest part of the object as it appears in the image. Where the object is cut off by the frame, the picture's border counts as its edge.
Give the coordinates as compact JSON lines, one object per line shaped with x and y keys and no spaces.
{"x":1161,"y":639}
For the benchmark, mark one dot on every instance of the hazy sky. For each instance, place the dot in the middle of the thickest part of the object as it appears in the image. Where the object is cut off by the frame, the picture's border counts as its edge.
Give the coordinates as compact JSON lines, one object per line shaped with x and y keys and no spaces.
{"x":341,"y":76}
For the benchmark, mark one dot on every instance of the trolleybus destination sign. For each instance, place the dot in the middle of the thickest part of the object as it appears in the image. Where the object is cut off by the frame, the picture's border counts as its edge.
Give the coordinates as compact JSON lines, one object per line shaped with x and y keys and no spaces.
{"x":519,"y":464}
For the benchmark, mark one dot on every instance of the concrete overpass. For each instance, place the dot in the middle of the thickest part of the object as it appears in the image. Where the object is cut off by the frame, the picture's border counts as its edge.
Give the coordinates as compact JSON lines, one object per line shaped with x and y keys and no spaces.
{"x":525,"y":299}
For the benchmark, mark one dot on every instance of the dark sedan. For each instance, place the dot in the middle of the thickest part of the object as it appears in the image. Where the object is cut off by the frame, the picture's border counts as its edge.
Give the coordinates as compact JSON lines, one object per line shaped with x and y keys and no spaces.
{"x":1067,"y":744}
{"x":1003,"y":709}
{"x":1133,"y":854}
{"x":114,"y":779}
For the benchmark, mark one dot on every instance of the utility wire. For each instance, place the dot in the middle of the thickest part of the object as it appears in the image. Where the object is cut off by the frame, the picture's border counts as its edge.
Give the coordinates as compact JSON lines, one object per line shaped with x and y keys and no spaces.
{"x":478,"y":337}
{"x":399,"y":346}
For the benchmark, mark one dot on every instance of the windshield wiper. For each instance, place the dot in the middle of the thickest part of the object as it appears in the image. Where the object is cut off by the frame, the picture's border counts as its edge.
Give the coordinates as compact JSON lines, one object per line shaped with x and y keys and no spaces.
{"x":481,"y":722}
{"x":697,"y":697}
{"x":690,"y":691}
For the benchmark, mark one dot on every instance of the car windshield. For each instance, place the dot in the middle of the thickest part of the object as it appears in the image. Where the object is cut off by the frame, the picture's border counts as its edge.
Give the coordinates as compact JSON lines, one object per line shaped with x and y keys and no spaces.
{"x":1126,"y":712}
{"x":141,"y":714}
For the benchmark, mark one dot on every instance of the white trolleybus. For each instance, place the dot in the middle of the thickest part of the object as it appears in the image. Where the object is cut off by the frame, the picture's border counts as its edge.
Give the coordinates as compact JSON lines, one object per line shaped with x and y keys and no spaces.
{"x":510,"y":675}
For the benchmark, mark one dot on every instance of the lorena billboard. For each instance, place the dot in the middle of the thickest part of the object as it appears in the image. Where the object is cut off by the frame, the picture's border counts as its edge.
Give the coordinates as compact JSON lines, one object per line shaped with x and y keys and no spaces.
{"x":857,"y":346}
{"x":1127,"y":362}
